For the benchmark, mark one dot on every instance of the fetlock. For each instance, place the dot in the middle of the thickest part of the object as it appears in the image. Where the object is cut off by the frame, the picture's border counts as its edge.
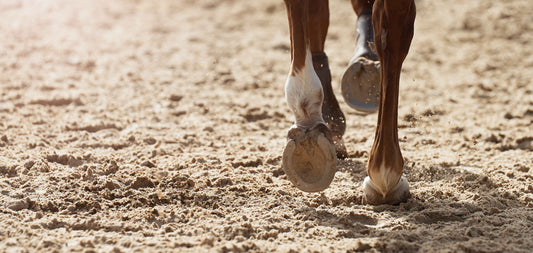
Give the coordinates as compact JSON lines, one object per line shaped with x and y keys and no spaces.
{"x":365,"y":38}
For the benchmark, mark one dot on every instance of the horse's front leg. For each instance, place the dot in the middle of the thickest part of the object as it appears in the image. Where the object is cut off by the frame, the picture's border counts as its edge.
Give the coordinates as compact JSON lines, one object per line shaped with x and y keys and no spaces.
{"x":393,"y":28}
{"x":309,"y":158}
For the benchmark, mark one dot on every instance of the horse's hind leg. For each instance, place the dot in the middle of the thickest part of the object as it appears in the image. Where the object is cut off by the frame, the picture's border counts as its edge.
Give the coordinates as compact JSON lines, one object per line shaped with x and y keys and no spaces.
{"x":365,"y":32}
{"x":318,"y":23}
{"x":360,"y":81}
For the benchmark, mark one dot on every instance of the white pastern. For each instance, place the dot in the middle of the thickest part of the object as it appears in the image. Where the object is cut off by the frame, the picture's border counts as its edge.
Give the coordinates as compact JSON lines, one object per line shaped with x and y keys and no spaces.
{"x":386,"y":180}
{"x":304,"y":95}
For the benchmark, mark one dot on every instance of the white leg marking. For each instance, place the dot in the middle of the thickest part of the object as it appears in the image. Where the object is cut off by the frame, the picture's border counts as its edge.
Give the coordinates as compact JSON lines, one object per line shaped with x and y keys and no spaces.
{"x":385,"y":181}
{"x":304,"y":95}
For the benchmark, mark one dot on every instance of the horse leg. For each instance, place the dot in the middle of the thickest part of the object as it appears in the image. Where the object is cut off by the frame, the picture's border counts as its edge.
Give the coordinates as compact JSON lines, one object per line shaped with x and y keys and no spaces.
{"x":318,"y":28}
{"x":360,"y":80}
{"x":309,"y":157}
{"x":393,"y":26}
{"x":365,"y":32}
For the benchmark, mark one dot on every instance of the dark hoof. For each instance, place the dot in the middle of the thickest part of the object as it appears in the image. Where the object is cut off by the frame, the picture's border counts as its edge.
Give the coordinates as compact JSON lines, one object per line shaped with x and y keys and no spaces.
{"x":360,"y":85}
{"x":309,"y":158}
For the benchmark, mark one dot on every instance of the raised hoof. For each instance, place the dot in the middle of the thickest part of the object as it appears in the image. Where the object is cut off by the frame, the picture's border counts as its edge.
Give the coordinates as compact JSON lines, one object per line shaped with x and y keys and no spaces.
{"x":360,"y":85}
{"x":309,"y":158}
{"x":399,"y":194}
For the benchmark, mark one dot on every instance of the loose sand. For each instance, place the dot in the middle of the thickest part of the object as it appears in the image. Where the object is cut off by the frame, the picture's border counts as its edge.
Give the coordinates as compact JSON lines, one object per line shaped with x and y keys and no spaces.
{"x":159,"y":126}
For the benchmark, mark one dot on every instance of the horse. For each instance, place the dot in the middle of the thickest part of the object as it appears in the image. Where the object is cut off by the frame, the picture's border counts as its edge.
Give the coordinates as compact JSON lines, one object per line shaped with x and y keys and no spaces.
{"x":315,"y":140}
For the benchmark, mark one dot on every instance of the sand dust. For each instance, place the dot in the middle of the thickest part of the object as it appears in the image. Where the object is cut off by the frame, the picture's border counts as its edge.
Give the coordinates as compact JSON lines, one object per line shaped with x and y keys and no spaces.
{"x":159,"y":126}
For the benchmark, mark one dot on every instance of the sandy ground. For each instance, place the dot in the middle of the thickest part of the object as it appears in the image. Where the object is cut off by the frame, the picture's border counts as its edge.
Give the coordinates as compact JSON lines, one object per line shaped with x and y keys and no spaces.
{"x":159,"y":126}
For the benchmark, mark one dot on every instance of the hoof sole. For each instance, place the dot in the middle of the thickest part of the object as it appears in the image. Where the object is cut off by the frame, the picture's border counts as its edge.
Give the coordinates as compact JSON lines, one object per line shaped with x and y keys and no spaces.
{"x":360,"y":85}
{"x":309,"y":159}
